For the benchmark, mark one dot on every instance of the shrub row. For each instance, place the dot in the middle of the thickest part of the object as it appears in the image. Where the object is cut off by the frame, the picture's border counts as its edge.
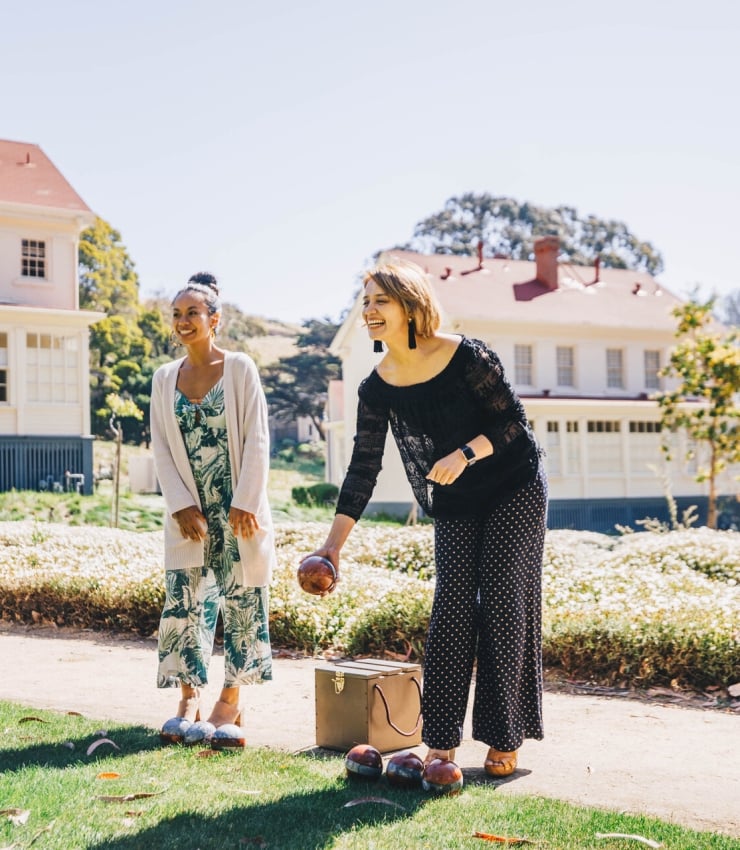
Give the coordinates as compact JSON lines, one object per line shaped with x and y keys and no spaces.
{"x":645,"y":609}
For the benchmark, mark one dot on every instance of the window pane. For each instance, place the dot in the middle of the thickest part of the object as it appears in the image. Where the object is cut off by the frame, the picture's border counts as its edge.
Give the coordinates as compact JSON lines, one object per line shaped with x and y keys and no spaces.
{"x":523,"y":364}
{"x":614,"y":372}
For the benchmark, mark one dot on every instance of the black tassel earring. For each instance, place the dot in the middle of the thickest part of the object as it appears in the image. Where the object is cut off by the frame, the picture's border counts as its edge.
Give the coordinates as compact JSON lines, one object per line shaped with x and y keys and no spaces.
{"x":378,"y":346}
{"x":412,"y":333}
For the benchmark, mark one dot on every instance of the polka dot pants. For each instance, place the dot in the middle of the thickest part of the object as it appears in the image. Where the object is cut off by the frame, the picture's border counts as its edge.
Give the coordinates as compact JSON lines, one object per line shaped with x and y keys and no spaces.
{"x":487,"y":608}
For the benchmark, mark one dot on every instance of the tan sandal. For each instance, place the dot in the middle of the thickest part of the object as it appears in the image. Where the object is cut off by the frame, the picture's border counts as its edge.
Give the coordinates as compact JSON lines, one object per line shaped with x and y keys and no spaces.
{"x":225,"y":713}
{"x":500,"y":763}
{"x":189,"y":708}
{"x":444,"y":755}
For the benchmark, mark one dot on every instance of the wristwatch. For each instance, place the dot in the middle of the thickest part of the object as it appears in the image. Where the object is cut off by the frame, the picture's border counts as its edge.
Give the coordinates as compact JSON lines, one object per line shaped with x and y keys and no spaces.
{"x":468,"y":454}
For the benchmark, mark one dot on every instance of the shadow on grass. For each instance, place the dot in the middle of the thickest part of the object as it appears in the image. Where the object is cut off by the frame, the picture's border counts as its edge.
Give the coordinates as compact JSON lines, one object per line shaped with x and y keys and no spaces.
{"x":301,"y":821}
{"x":72,"y":751}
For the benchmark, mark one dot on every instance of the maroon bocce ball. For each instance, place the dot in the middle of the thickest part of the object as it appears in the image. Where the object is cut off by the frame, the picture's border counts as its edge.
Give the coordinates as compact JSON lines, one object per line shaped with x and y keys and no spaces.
{"x":404,"y":770}
{"x":316,"y":575}
{"x":364,"y":762}
{"x":442,"y":776}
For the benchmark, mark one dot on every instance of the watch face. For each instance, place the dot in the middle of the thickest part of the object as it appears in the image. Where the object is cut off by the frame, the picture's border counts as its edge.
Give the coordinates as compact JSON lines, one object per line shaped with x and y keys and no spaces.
{"x":468,"y":452}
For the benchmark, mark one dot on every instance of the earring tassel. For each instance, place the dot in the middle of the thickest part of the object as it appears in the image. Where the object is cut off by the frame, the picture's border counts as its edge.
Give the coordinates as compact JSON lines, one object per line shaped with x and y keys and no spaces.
{"x":378,"y":346}
{"x":412,"y":333}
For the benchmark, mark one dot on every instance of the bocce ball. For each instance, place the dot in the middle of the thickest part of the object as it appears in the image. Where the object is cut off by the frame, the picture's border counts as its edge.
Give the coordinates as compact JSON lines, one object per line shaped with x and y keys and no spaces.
{"x":442,"y":776}
{"x":317,"y":575}
{"x":404,"y":770}
{"x":364,"y":762}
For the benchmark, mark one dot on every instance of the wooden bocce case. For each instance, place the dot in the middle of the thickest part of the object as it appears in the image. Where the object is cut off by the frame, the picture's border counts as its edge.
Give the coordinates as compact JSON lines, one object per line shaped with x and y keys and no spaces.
{"x":350,"y":708}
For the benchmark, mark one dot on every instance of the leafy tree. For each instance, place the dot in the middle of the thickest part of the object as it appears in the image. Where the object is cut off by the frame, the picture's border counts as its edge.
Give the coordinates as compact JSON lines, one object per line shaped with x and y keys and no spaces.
{"x":506,"y":227}
{"x":297,"y":386}
{"x":706,"y":365}
{"x":108,"y":281}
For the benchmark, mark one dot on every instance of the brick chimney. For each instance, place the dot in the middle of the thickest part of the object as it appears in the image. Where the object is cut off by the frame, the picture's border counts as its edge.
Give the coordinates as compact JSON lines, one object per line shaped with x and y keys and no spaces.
{"x":546,"y":250}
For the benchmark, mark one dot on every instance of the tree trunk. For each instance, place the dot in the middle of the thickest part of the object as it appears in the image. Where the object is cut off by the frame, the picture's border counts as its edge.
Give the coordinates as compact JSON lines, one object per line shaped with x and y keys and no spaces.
{"x":712,"y":501}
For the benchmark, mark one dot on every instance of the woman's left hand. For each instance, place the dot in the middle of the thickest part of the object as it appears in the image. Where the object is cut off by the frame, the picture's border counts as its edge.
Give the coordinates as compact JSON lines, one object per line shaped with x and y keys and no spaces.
{"x":243,"y":523}
{"x":448,"y":468}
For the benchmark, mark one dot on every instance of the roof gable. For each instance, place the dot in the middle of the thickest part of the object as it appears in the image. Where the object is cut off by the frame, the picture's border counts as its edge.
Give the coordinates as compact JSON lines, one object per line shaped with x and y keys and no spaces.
{"x":29,"y":177}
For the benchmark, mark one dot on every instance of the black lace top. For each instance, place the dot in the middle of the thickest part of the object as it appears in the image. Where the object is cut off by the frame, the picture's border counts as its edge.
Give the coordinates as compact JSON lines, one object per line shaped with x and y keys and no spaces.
{"x":470,"y":396}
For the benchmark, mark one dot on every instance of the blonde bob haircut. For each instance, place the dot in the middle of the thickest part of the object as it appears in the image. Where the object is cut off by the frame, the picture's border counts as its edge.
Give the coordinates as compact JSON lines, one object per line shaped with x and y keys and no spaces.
{"x":408,"y":284}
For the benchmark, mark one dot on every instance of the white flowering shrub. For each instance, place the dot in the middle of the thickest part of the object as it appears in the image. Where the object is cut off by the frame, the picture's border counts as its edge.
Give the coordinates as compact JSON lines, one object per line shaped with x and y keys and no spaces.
{"x":639,"y":609}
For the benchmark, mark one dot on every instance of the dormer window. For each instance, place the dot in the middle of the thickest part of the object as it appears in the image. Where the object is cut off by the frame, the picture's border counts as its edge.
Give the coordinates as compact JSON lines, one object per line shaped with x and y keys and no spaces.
{"x":33,"y":258}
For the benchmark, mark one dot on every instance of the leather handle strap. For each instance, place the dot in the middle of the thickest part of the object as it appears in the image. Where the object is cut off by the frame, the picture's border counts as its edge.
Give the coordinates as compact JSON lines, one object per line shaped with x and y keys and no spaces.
{"x":388,"y":711}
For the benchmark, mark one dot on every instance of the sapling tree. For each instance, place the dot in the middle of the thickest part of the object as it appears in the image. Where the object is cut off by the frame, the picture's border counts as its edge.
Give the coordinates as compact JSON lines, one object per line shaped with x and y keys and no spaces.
{"x":704,"y":367}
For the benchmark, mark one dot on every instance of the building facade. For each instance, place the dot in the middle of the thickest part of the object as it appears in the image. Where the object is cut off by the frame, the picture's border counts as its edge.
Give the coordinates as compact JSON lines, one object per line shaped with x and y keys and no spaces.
{"x":45,"y":440}
{"x":583,"y":347}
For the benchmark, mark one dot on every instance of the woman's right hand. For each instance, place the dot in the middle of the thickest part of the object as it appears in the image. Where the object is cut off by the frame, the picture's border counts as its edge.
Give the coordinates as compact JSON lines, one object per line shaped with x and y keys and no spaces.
{"x":192,"y":522}
{"x":331,"y":555}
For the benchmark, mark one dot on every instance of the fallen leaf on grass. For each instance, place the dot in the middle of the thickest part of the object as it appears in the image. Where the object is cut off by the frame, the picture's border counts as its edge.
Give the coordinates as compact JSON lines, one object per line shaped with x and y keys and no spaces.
{"x":74,"y":713}
{"x":30,"y":718}
{"x":16,"y":816}
{"x":206,"y":754}
{"x":383,"y":800}
{"x":640,"y":838}
{"x":127,"y":798}
{"x":502,"y":839}
{"x":91,"y":749}
{"x":40,"y":833}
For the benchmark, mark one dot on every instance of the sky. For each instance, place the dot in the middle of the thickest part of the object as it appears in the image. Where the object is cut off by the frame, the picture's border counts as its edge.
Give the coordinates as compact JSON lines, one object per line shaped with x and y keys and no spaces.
{"x":281,"y":144}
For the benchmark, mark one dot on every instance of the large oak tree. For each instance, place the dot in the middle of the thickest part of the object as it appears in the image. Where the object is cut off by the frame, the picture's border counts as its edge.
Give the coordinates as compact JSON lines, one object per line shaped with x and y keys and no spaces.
{"x":506,"y":227}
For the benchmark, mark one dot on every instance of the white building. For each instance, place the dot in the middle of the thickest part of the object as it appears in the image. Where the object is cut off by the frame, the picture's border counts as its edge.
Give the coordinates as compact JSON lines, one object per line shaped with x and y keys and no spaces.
{"x":583,"y":347}
{"x":45,"y":436}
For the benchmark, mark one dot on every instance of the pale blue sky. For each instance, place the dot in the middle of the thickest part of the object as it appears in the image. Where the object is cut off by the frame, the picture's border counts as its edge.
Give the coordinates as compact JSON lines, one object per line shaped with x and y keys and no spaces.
{"x":280,"y":144}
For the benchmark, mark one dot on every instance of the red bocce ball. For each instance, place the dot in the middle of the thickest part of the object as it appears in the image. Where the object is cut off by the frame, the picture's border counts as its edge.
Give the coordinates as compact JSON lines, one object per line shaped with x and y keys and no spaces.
{"x":442,"y":777}
{"x":316,"y":575}
{"x":404,"y":770}
{"x":364,"y":762}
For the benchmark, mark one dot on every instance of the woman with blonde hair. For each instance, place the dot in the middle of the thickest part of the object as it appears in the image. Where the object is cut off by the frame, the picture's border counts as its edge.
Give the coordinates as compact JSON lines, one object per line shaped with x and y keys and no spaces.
{"x":474,"y":466}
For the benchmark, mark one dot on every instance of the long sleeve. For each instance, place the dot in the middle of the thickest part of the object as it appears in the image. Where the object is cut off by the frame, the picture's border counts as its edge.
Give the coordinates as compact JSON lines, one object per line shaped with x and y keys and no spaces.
{"x":249,"y":442}
{"x":170,"y":460}
{"x":505,"y":418}
{"x":366,"y":461}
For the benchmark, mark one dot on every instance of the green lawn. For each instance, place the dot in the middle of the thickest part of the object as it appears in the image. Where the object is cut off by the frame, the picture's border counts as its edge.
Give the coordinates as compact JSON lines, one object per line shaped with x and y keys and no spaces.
{"x":174,"y":798}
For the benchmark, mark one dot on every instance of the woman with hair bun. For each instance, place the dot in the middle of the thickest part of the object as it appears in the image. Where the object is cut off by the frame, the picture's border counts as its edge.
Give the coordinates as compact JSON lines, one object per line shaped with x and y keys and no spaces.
{"x":210,"y":441}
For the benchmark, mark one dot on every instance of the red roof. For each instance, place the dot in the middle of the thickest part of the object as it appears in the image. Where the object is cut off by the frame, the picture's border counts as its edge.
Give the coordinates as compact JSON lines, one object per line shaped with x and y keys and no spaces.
{"x":507,"y":291}
{"x":28,"y":176}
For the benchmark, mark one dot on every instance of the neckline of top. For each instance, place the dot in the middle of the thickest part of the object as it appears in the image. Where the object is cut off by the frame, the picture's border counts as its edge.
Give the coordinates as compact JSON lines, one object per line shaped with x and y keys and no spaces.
{"x":437,"y":376}
{"x":203,"y":397}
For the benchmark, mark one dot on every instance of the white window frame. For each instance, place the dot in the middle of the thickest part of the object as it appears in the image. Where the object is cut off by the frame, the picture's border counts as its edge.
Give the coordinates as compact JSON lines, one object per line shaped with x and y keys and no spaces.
{"x":28,"y":246}
{"x":565,"y":363}
{"x":52,"y":368}
{"x":615,"y":368}
{"x":523,"y":365}
{"x":652,"y":371}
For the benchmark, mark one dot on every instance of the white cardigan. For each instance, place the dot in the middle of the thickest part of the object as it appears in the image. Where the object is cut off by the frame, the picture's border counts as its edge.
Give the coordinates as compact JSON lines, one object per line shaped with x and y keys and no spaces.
{"x":249,"y":456}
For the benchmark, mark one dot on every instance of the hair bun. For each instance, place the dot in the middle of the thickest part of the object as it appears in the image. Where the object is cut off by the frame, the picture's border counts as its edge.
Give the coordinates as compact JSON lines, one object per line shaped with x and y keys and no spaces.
{"x":204,"y":279}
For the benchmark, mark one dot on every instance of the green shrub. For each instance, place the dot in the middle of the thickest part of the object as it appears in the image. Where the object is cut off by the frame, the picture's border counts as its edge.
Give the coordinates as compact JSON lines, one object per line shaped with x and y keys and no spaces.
{"x":645,"y":609}
{"x":317,"y":495}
